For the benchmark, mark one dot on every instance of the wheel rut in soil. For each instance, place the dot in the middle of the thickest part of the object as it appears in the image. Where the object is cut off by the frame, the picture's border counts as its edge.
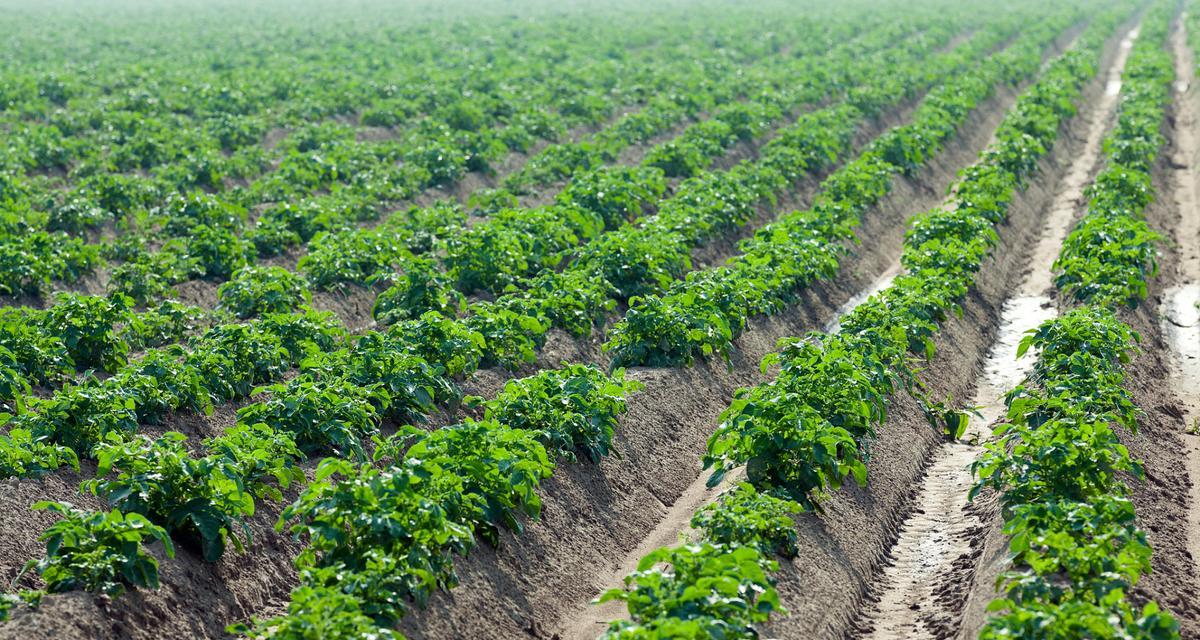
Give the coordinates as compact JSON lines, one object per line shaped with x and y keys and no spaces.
{"x":1180,"y":313}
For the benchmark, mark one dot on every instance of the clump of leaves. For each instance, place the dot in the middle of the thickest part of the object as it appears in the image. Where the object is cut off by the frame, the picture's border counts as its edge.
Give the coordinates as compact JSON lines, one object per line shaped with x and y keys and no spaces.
{"x":101,"y":552}
{"x":201,"y":500}
{"x":322,"y":415}
{"x":746,"y":516}
{"x":574,"y":408}
{"x":255,"y":291}
{"x":420,"y":288}
{"x":23,"y":456}
{"x":356,"y":517}
{"x":90,"y":327}
{"x":696,"y":591}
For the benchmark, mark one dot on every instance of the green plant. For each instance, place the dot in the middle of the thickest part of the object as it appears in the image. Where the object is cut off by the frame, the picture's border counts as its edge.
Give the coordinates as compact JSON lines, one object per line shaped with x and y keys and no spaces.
{"x":255,"y":291}
{"x":168,"y":322}
{"x":232,"y":358}
{"x":516,"y":243}
{"x":150,"y":276}
{"x":419,"y":289}
{"x":8,"y":601}
{"x":90,"y":327}
{"x":450,"y":344}
{"x":325,"y":415}
{"x":744,"y":516}
{"x":351,"y":257}
{"x":21,"y":456}
{"x":31,"y":351}
{"x":572,"y":408}
{"x":259,"y":453}
{"x":500,"y":465}
{"x":100,"y":552}
{"x":510,"y":339}
{"x":304,"y":331}
{"x":30,"y":261}
{"x":416,"y":513}
{"x":705,"y":591}
{"x":161,"y":382}
{"x":80,"y":415}
{"x":410,"y":384}
{"x":318,"y":613}
{"x":215,"y":252}
{"x":617,"y":194}
{"x":203,"y":501}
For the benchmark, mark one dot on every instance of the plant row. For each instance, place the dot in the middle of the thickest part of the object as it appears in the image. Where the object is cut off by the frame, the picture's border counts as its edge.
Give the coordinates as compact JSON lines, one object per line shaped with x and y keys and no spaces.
{"x":47,"y":347}
{"x":381,"y":531}
{"x":423,"y":353}
{"x":517,"y":240}
{"x":642,"y":257}
{"x":564,"y":161}
{"x":508,"y":247}
{"x":810,"y":427}
{"x":703,"y":313}
{"x":516,"y":245}
{"x":481,"y":97}
{"x":1058,"y":463}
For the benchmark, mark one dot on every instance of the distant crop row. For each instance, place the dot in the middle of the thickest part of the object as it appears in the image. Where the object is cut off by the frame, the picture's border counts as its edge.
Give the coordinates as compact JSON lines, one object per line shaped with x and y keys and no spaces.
{"x":179,"y":149}
{"x":522,"y":246}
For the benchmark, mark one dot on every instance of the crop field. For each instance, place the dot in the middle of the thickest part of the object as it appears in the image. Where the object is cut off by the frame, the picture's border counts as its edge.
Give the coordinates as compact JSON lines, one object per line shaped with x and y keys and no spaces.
{"x":536,"y":320}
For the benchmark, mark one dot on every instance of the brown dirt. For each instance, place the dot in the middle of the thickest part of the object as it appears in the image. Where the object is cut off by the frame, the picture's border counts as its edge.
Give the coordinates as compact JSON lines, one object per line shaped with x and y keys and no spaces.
{"x":1181,"y":311}
{"x":1164,"y":502}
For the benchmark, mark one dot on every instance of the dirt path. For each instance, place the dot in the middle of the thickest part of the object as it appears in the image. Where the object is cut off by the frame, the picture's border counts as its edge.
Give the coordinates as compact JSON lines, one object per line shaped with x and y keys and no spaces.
{"x":937,"y":542}
{"x":1180,"y":313}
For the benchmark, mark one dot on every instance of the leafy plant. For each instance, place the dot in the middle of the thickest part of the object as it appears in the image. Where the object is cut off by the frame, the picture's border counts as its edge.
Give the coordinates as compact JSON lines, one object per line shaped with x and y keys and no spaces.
{"x":21,"y":456}
{"x":215,"y":252}
{"x":744,"y":516}
{"x":500,"y":465}
{"x":255,"y":291}
{"x":617,"y":194}
{"x":323,"y":415}
{"x":260,"y":453}
{"x":351,"y":257}
{"x":90,"y":327}
{"x":318,"y":613}
{"x":419,"y":289}
{"x":203,"y":501}
{"x":231,"y":359}
{"x":101,"y":552}
{"x":416,"y":513}
{"x":705,"y":591}
{"x":572,"y":408}
{"x":450,"y":344}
